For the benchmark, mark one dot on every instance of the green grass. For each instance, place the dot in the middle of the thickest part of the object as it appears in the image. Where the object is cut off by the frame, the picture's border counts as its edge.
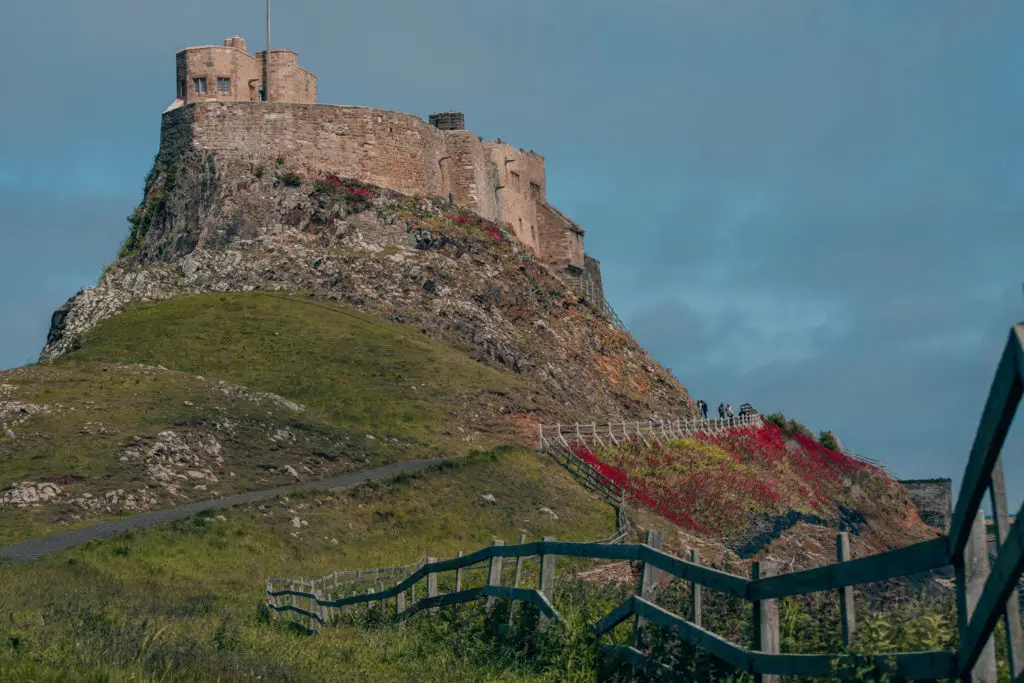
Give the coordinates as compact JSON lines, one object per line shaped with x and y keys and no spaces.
{"x":181,"y":602}
{"x":358,"y":377}
{"x":357,"y":370}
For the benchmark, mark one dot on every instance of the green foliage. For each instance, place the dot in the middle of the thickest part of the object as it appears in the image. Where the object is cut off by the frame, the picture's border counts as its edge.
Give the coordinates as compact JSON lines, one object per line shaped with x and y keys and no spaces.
{"x":829,"y":441}
{"x":291,"y":179}
{"x":159,"y":182}
{"x":790,"y":425}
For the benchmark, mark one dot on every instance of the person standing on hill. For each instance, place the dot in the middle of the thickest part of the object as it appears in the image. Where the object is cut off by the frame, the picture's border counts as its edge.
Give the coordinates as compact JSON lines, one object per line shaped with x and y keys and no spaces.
{"x":729,"y":412}
{"x":704,"y":408}
{"x":721,"y":411}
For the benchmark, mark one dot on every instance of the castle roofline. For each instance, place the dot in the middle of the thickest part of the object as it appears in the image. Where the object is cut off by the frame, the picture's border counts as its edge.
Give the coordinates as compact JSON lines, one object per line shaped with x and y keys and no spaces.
{"x":223,"y":47}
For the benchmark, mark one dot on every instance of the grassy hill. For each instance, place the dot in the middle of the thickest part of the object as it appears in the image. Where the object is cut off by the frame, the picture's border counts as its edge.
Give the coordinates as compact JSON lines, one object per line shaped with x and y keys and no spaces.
{"x":207,"y":395}
{"x":182,"y":602}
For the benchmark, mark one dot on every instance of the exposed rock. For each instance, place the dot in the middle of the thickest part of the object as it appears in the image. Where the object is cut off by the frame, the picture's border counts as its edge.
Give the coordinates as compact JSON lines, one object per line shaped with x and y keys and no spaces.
{"x":482,"y":292}
{"x":29,"y":493}
{"x":176,"y":457}
{"x":291,"y":470}
{"x":489,"y":498}
{"x":295,"y":522}
{"x":549,"y":512}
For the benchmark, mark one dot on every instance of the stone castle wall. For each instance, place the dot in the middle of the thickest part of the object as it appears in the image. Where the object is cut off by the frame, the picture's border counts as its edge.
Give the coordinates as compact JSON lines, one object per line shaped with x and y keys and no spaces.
{"x":390,"y":149}
{"x":933,"y":499}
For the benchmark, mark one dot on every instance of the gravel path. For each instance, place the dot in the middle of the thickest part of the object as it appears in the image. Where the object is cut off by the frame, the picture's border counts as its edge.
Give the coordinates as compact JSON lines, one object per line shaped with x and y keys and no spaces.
{"x":54,"y":543}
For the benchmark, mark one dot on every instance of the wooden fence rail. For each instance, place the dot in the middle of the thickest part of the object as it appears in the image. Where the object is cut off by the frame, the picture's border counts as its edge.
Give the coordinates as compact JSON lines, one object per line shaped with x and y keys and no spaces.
{"x":983,"y":596}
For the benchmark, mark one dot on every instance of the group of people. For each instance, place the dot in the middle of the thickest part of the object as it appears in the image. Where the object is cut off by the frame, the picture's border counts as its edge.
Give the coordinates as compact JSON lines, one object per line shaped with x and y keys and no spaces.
{"x":724,"y":409}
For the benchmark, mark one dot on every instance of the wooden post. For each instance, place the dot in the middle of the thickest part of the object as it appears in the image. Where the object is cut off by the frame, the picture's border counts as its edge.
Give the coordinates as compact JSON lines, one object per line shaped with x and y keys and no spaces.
{"x":546,"y":580}
{"x":494,"y":576}
{"x":432,"y":583}
{"x":648,"y":578}
{"x":766,"y":621}
{"x":695,"y":596}
{"x":971,"y":572}
{"x":1011,"y":618}
{"x":399,"y":603}
{"x":847,"y":609}
{"x":458,"y":577}
{"x":383,"y":603}
{"x":515,"y":581}
{"x":412,"y":595}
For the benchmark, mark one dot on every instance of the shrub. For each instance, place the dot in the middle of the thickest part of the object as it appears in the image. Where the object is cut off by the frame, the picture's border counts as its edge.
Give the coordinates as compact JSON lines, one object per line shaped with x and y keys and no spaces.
{"x":291,"y":179}
{"x":778,"y":419}
{"x":829,"y":441}
{"x":798,"y":428}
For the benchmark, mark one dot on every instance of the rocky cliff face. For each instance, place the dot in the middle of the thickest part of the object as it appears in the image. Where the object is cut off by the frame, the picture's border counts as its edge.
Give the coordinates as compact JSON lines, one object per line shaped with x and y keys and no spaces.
{"x":242,"y":223}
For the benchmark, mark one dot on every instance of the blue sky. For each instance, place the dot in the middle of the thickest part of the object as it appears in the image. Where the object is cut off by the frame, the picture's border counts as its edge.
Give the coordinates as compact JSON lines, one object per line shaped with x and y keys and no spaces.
{"x":813,"y":206}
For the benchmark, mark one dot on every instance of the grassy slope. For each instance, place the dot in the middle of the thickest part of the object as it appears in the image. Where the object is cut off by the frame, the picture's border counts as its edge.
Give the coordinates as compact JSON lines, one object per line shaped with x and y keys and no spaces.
{"x":181,"y":602}
{"x":355,"y":369}
{"x":356,"y":375}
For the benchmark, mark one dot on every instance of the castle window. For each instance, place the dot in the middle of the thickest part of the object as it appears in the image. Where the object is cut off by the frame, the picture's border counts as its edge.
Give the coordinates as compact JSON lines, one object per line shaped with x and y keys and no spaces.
{"x":181,"y":89}
{"x":199,"y":86}
{"x":224,"y":85}
{"x":535,"y":190}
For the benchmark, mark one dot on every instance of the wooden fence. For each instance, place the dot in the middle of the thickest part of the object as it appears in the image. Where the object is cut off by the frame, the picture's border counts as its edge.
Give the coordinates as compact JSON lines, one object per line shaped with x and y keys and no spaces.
{"x":984,"y":595}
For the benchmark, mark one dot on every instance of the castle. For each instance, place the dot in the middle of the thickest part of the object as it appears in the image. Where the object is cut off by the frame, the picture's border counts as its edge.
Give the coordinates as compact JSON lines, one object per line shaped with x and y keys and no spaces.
{"x":232,"y":102}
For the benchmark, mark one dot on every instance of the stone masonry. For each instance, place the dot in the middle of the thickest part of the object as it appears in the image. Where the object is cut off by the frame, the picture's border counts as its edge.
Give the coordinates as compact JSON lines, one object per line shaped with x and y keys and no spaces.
{"x":398,"y":151}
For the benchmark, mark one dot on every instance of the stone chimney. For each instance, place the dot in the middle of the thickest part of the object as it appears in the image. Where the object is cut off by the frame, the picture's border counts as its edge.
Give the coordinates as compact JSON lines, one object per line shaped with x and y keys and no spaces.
{"x":237,"y":42}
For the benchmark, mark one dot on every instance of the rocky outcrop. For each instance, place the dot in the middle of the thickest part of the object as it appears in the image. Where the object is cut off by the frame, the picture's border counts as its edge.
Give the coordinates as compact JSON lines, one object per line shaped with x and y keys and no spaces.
{"x":219,"y":223}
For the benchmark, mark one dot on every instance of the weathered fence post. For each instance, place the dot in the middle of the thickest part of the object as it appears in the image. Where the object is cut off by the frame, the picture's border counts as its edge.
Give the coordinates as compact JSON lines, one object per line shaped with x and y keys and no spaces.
{"x":648,"y":577}
{"x":695,"y":596}
{"x":847,"y":609}
{"x":1011,"y":618}
{"x":546,"y":581}
{"x":766,"y":621}
{"x":383,"y":602}
{"x":971,"y":573}
{"x":399,"y":603}
{"x":432,"y":583}
{"x":515,"y":581}
{"x":458,"y":577}
{"x":494,"y":576}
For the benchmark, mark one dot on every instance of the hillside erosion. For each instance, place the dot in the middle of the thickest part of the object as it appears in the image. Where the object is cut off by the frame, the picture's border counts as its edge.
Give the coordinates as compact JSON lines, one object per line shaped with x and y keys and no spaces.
{"x":219,"y":222}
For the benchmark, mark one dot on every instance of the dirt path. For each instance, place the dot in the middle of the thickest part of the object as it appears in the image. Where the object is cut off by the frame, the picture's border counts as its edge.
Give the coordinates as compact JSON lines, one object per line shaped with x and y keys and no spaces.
{"x":54,"y":543}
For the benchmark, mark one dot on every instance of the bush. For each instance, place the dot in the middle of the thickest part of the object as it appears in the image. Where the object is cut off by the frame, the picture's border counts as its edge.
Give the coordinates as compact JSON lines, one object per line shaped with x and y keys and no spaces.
{"x":829,"y":441}
{"x":798,"y":428}
{"x":779,"y":420}
{"x":291,"y":179}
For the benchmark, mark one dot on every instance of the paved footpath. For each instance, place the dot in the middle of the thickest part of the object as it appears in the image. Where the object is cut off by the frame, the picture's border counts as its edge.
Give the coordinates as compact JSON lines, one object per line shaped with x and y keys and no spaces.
{"x":54,"y":543}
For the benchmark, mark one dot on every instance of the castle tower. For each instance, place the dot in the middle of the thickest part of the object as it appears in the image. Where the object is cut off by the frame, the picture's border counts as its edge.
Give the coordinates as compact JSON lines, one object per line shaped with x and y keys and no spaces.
{"x":228,"y":73}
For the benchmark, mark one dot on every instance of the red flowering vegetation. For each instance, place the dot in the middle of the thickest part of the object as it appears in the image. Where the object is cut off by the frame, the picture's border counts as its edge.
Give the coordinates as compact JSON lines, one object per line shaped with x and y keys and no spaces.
{"x":475,"y":221}
{"x":357,"y":195}
{"x":718,"y":484}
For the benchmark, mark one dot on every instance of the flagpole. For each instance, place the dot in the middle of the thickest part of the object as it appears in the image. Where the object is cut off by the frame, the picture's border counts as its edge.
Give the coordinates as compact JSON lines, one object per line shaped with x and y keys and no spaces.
{"x":266,"y":61}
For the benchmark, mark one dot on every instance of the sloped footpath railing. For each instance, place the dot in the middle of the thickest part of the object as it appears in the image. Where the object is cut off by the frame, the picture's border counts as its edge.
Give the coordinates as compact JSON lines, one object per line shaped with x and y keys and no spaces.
{"x":985,"y":595}
{"x":850,"y":453}
{"x":559,"y":439}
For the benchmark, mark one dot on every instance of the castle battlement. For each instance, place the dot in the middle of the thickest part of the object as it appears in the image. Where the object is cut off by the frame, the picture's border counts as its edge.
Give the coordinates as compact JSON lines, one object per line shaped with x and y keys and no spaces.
{"x":399,"y":151}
